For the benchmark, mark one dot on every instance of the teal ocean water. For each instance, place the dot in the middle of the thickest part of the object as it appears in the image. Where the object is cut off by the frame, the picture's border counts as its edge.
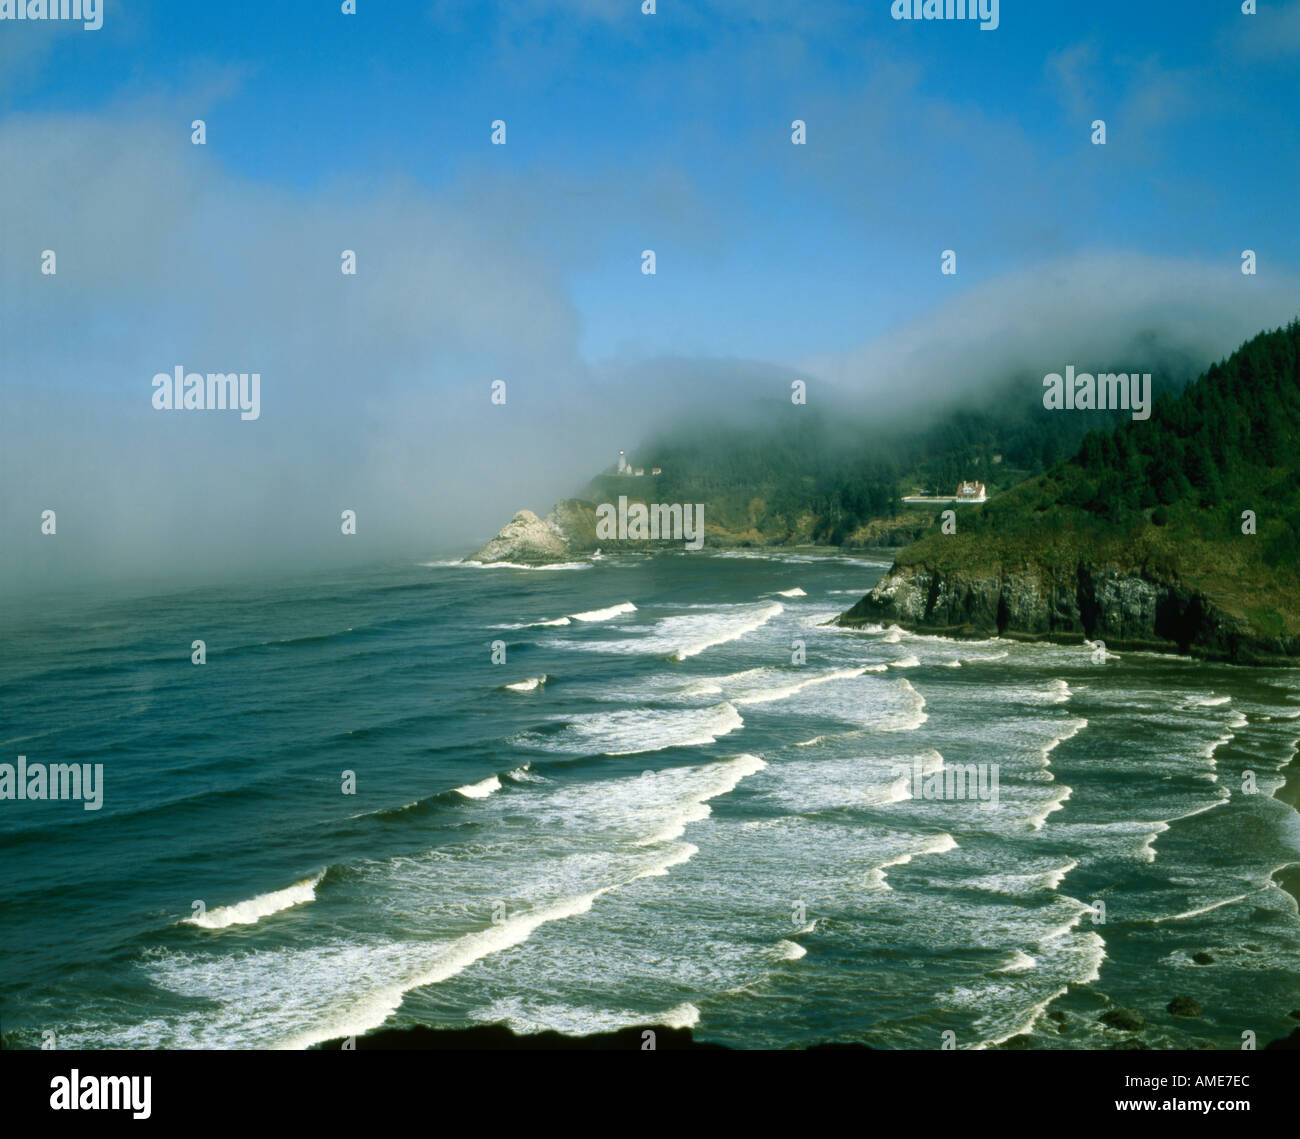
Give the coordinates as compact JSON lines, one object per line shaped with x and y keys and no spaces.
{"x":692,"y":821}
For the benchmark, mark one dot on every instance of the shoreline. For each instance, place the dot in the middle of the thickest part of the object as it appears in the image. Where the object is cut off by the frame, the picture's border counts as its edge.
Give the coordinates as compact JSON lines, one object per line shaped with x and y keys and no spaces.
{"x":1288,"y":878}
{"x":1066,"y":637}
{"x":499,"y":1038}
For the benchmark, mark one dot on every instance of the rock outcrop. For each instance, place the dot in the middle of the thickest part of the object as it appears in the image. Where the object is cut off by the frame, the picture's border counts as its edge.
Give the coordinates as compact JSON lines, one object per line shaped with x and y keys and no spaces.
{"x":568,"y":531}
{"x":1127,"y":608}
{"x":1127,"y":1019}
{"x":574,"y":523}
{"x":525,"y":539}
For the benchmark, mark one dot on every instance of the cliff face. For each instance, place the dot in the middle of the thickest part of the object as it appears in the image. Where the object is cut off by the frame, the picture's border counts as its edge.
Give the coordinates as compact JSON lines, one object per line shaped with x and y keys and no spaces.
{"x":1125,"y":608}
{"x":573,"y":521}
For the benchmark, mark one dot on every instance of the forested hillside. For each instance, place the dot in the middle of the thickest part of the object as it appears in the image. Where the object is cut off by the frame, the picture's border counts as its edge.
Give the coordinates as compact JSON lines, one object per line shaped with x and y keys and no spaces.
{"x":1181,"y":529}
{"x":802,"y":474}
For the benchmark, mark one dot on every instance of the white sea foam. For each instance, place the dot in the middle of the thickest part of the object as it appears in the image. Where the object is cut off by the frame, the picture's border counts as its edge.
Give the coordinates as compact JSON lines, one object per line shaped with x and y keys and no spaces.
{"x":1121,"y":838}
{"x":254,"y":909}
{"x":929,"y":844}
{"x":1026,"y":1022}
{"x":589,"y":616}
{"x":343,"y":985}
{"x":1214,"y":746}
{"x":912,"y":717}
{"x":1205,"y":909}
{"x":1019,"y":963}
{"x":860,"y":783}
{"x":717,"y":779}
{"x":796,"y":592}
{"x":688,"y":634}
{"x":369,"y":982}
{"x":527,"y":1015}
{"x":685,"y":852}
{"x":722,"y":631}
{"x":634,"y":731}
{"x":766,"y":685}
{"x":675,"y":827}
{"x":480,"y":790}
{"x":525,"y":774}
{"x":786,"y":558}
{"x":878,"y":705}
{"x":369,"y":1009}
{"x":1023,"y":992}
{"x":605,"y":614}
{"x":1093,"y":952}
{"x":1057,"y":692}
{"x":1038,"y":819}
{"x":509,"y":565}
{"x":1052,"y":879}
{"x":1074,"y":727}
{"x":1018,"y":885}
{"x":1224,"y":796}
{"x":386,"y":810}
{"x":349,"y":984}
{"x":529,"y":685}
{"x":684,"y":1015}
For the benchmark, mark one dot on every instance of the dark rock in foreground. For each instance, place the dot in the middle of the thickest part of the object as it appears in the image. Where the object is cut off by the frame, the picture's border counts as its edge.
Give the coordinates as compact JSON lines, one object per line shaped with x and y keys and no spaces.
{"x":832,"y":1046}
{"x":1127,"y":1019}
{"x":497,"y":1037}
{"x":1286,"y":1044}
{"x":1185,"y":1006}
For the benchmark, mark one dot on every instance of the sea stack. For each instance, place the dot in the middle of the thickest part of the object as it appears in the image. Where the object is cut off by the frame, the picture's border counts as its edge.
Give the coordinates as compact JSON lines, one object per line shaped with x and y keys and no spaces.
{"x":567,"y":532}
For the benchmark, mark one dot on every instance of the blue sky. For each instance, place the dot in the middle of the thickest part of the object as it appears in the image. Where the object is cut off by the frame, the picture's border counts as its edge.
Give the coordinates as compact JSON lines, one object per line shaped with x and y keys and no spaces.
{"x":521,"y":262}
{"x":922,"y":136}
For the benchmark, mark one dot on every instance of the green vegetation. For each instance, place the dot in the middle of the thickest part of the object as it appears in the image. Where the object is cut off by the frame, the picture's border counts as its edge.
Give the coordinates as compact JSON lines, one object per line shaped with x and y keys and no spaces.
{"x":1167,"y":495}
{"x":801,"y":475}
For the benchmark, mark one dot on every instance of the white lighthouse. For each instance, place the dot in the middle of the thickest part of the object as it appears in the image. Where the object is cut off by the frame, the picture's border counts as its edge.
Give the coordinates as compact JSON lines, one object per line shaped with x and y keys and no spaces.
{"x":622,"y":464}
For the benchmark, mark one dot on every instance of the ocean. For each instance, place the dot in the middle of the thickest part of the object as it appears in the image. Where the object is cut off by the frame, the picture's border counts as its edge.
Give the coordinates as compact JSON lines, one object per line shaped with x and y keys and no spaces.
{"x":367,"y":808}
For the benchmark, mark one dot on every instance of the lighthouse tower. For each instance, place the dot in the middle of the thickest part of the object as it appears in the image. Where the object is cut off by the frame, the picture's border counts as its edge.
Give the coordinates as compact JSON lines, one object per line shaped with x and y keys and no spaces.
{"x":622,"y":464}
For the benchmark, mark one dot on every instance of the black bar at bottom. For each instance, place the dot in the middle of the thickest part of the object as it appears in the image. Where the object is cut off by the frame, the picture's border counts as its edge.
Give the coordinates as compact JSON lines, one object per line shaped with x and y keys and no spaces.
{"x":634,"y":1087}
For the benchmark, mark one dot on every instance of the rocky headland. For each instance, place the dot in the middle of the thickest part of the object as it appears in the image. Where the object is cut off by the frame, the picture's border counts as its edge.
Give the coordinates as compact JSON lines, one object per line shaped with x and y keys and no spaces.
{"x":568,"y":531}
{"x":1126,"y":607}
